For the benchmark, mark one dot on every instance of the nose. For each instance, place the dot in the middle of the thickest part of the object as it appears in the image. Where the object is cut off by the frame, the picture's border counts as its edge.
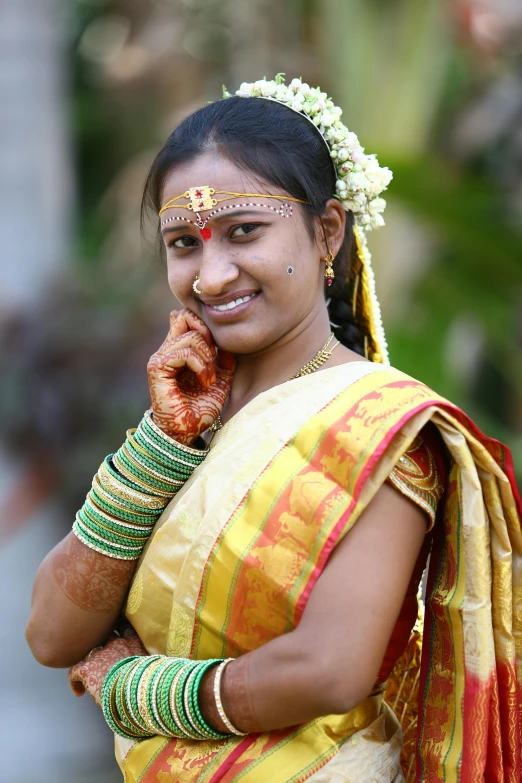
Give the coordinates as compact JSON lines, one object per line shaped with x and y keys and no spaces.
{"x":217,"y":271}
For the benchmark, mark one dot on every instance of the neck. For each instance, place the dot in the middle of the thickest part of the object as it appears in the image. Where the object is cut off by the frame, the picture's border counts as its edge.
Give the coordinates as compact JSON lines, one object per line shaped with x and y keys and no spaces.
{"x":276,"y":364}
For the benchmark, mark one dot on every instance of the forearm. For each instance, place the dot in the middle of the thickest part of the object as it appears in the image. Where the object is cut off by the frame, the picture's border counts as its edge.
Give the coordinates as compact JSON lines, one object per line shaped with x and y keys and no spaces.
{"x":284,"y":683}
{"x":81,"y":586}
{"x":77,"y":598}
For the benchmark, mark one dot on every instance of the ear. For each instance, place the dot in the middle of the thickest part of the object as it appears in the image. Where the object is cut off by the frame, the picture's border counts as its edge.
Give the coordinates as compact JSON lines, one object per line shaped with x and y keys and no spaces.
{"x":330,"y":234}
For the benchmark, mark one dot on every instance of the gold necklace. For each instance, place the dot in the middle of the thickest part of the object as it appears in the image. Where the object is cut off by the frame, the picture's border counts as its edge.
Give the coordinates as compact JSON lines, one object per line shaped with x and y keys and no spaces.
{"x":322,"y":355}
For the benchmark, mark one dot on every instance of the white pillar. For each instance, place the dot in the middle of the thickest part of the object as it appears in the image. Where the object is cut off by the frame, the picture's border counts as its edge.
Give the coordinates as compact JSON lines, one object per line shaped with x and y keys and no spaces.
{"x":35,"y":160}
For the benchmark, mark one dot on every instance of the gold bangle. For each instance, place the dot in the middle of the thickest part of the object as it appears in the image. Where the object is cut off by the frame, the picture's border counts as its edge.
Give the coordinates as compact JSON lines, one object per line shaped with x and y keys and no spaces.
{"x":121,"y":490}
{"x":100,"y":490}
{"x":142,"y":694}
{"x":219,"y":704}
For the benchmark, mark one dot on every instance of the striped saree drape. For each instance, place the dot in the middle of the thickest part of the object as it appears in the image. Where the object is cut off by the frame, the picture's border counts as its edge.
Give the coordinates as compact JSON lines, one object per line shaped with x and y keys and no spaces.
{"x":236,"y":554}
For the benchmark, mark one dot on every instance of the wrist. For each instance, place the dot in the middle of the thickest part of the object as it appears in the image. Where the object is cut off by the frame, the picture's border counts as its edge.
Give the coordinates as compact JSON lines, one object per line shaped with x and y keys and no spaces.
{"x":207,"y":701}
{"x":164,"y":424}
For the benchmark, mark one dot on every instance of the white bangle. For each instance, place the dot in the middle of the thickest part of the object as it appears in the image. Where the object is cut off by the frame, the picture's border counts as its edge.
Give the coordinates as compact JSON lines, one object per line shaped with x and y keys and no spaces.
{"x":217,"y":696}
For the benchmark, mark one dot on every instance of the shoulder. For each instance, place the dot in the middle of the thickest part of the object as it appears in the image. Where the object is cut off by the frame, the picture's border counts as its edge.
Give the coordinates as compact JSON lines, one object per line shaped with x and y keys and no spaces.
{"x":420,"y":473}
{"x":376,"y":381}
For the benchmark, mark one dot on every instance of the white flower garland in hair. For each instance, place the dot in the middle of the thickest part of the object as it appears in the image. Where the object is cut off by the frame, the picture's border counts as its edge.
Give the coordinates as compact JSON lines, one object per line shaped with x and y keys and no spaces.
{"x":360,"y":179}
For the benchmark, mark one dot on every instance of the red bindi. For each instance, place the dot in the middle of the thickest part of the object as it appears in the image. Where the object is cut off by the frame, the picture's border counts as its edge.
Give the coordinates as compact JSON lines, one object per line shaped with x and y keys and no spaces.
{"x":206,"y":233}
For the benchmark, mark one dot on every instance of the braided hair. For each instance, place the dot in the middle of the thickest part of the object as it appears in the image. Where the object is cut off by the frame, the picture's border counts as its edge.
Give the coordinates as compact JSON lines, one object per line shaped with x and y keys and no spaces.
{"x":282,"y":148}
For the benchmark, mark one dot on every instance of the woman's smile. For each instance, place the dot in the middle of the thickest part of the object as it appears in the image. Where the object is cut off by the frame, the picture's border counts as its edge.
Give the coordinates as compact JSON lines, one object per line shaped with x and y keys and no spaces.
{"x":230,"y":307}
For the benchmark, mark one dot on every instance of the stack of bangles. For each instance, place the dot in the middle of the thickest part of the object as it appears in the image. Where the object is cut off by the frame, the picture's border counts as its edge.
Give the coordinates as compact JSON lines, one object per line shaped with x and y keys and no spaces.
{"x":131,"y":489}
{"x":144,"y":696}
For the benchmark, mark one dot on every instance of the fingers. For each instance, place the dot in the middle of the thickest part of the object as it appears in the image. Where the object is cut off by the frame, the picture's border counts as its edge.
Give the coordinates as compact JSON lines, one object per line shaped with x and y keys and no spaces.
{"x":205,"y":372}
{"x":190,"y":350}
{"x":183,"y":321}
{"x":76,"y":680}
{"x":226,"y":360}
{"x":173,"y":348}
{"x":134,"y":642}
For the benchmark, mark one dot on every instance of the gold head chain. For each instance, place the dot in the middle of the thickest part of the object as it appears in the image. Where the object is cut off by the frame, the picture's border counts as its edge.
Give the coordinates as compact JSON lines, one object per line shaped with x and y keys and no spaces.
{"x":201,"y":198}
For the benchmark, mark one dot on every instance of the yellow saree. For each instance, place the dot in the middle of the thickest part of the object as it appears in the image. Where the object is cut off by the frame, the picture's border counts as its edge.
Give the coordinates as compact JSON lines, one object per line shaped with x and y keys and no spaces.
{"x":234,"y":557}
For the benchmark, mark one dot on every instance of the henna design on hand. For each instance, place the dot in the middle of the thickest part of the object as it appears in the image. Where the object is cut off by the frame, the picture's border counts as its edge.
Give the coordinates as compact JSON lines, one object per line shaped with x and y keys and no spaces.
{"x":88,"y":675}
{"x":189,"y":383}
{"x":90,"y":580}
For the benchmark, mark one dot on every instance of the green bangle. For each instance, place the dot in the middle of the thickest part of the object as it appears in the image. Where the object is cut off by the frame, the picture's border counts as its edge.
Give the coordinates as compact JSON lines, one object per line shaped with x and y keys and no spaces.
{"x":146,"y":485}
{"x":99,"y":530}
{"x":167,"y":459}
{"x":101,"y":545}
{"x":152,"y":699}
{"x":112,"y":508}
{"x":193,"y":698}
{"x":151,"y":473}
{"x":186,"y":451}
{"x":107,"y":690}
{"x":121,"y":702}
{"x":172,"y":470}
{"x":122,"y":530}
{"x":111,"y":529}
{"x":182,"y":701}
{"x":176,"y":701}
{"x":123,"y":479}
{"x":164,"y":693}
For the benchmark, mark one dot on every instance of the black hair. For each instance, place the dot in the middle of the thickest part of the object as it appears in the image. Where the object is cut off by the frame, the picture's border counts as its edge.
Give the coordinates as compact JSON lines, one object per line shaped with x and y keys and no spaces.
{"x":280,"y":147}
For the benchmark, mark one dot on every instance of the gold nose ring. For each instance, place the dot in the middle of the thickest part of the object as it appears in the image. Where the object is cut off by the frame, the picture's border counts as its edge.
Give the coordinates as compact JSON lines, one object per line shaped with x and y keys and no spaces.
{"x":195,"y":286}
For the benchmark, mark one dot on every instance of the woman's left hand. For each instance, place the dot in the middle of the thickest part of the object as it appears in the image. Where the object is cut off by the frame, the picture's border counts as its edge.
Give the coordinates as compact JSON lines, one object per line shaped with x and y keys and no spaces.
{"x":89,"y":674}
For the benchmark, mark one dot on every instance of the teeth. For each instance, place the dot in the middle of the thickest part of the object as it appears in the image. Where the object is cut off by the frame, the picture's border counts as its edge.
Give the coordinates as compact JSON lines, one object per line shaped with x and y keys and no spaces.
{"x":231,"y":305}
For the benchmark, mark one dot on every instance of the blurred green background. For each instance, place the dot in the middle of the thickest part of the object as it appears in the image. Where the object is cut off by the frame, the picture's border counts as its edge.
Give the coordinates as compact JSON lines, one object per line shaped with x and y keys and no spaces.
{"x":90,"y":90}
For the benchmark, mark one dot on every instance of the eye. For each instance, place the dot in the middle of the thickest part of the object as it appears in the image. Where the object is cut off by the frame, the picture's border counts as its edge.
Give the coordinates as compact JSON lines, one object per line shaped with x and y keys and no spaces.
{"x":182,"y":243}
{"x":244,"y":229}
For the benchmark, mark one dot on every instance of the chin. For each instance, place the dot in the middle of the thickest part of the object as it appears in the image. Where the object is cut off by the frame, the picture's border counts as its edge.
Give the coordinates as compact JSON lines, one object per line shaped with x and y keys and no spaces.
{"x":243,"y":342}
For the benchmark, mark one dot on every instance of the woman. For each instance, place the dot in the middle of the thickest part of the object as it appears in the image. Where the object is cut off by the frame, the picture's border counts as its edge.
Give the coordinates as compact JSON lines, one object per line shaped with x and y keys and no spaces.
{"x":283,"y":494}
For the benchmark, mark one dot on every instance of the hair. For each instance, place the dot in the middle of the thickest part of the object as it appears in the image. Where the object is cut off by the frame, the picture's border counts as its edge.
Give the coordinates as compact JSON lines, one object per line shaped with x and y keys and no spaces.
{"x":282,"y":148}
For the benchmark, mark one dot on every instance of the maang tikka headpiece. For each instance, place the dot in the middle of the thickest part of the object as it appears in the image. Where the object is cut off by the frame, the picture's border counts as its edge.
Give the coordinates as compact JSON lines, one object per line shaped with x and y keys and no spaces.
{"x":360,"y":181}
{"x":201,"y":199}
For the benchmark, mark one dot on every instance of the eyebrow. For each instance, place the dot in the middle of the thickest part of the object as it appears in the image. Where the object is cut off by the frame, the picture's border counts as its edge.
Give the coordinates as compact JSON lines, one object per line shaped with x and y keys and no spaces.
{"x":224,"y":215}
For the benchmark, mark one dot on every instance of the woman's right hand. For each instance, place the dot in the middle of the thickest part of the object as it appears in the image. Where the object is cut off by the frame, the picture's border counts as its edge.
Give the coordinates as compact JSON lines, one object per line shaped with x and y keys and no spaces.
{"x":189,"y":379}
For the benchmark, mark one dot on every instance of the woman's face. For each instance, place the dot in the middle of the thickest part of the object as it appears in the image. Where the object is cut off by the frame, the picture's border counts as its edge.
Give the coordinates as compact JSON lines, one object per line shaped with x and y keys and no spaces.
{"x":251,"y":253}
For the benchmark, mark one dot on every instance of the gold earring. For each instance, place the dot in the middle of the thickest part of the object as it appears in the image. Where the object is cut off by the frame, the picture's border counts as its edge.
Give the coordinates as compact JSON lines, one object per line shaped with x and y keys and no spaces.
{"x":329,"y":270}
{"x":195,"y":286}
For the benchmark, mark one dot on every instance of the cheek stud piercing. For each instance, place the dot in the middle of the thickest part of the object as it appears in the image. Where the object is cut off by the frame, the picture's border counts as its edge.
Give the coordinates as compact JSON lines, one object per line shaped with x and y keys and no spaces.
{"x":195,"y":286}
{"x":290,"y":270}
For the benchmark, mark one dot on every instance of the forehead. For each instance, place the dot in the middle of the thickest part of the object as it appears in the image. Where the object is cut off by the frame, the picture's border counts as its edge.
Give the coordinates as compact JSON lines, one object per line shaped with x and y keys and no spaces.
{"x":217,"y":172}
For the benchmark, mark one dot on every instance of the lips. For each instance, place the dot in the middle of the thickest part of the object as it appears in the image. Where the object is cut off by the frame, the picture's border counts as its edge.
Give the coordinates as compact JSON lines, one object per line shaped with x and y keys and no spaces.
{"x":231,"y":306}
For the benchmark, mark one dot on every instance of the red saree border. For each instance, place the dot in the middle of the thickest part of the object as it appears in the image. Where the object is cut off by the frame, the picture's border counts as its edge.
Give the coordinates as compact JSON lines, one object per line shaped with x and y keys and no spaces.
{"x":231,"y":759}
{"x":370,"y":466}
